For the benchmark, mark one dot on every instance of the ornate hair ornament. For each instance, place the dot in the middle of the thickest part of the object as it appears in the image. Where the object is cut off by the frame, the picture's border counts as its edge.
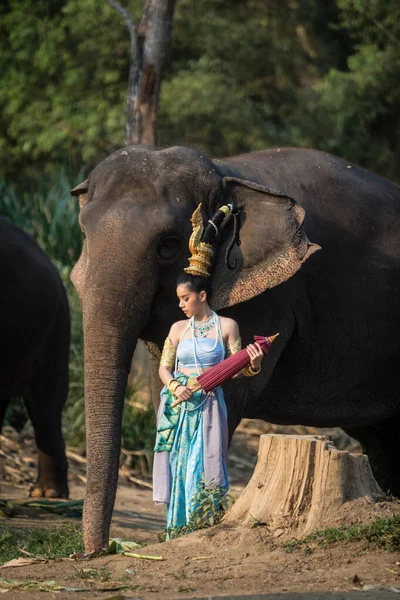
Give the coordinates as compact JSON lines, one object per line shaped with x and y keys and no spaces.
{"x":201,"y":240}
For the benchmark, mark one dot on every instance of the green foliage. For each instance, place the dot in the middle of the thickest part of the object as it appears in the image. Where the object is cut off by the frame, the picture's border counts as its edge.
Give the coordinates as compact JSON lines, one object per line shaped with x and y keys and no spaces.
{"x":383,"y":533}
{"x":208,"y":507}
{"x":48,"y":213}
{"x":138,"y":427}
{"x":241,"y":76}
{"x":58,"y":89}
{"x":355,"y":111}
{"x":99,"y":574}
{"x":59,"y":542}
{"x":237,"y":69}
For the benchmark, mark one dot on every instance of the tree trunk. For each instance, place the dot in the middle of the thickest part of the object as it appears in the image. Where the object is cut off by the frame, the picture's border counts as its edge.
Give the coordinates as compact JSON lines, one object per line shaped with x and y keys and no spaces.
{"x":300,"y":482}
{"x":149,"y":52}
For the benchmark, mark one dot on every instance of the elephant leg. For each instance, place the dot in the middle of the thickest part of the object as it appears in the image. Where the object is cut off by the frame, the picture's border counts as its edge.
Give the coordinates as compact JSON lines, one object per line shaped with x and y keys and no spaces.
{"x":156,"y":383}
{"x":381,"y":443}
{"x":49,"y":391}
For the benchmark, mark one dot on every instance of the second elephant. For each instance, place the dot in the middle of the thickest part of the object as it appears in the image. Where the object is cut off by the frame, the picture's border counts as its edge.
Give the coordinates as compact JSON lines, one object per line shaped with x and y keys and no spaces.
{"x":34,"y":350}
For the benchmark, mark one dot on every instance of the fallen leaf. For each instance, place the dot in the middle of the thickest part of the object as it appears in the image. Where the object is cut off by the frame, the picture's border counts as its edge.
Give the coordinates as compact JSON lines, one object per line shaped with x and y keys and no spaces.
{"x":52,"y":586}
{"x":69,"y":507}
{"x":22,"y":562}
{"x":144,"y":556}
{"x":391,"y":571}
{"x":367,"y":587}
{"x":278,"y":533}
{"x":118,"y":546}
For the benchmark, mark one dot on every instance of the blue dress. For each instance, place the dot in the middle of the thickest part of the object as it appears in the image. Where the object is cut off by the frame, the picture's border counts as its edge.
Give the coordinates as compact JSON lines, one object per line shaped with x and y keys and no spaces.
{"x":200,"y":442}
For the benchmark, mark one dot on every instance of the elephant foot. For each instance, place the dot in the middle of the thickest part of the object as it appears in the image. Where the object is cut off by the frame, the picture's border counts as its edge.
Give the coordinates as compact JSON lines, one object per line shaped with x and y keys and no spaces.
{"x":39,"y":491}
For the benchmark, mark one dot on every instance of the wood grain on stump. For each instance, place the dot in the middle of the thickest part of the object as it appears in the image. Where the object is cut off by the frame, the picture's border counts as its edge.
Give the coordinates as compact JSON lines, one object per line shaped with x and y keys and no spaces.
{"x":300,"y":482}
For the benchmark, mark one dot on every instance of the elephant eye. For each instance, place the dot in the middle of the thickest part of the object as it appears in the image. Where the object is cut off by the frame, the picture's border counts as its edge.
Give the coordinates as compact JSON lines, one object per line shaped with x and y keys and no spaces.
{"x":169,"y":247}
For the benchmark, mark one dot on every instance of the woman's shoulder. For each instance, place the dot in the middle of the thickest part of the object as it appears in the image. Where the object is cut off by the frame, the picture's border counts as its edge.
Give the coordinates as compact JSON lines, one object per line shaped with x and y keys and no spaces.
{"x":176,"y":330}
{"x":178,"y":325}
{"x":229,"y":325}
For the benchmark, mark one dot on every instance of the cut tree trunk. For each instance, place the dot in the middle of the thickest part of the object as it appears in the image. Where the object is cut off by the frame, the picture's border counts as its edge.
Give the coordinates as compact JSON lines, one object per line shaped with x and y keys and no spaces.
{"x":300,"y":482}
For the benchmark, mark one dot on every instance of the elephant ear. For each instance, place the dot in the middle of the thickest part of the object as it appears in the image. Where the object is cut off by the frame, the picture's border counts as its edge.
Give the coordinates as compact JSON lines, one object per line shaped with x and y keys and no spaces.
{"x":273,"y":246}
{"x":81,"y":191}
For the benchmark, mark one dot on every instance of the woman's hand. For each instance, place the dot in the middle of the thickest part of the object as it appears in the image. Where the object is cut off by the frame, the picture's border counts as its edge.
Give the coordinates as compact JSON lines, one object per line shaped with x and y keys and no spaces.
{"x":256,"y":355}
{"x":183,"y":393}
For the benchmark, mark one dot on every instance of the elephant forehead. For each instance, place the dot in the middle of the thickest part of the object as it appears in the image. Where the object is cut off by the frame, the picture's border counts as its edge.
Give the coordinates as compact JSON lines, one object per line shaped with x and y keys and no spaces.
{"x":127,"y":216}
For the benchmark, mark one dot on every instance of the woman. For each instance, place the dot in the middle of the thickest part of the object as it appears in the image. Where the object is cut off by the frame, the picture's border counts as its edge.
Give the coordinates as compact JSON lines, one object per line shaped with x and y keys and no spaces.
{"x":192,"y":440}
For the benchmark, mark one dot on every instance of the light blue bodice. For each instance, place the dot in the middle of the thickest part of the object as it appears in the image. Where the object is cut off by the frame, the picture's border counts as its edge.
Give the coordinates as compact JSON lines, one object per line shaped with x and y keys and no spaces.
{"x":206,"y":355}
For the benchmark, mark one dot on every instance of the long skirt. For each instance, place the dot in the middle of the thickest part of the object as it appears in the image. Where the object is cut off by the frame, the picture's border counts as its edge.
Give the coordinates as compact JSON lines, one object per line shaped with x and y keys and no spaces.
{"x":198,"y":453}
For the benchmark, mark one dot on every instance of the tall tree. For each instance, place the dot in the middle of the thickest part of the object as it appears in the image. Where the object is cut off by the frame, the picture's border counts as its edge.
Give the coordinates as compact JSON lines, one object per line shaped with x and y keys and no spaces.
{"x":149,"y":49}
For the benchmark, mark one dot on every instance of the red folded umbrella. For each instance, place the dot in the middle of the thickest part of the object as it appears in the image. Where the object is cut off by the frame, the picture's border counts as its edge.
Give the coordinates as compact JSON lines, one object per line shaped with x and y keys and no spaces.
{"x":229,"y":367}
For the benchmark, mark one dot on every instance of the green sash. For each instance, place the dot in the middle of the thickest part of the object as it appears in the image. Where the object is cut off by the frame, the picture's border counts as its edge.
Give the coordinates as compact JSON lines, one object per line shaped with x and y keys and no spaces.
{"x":169,"y":420}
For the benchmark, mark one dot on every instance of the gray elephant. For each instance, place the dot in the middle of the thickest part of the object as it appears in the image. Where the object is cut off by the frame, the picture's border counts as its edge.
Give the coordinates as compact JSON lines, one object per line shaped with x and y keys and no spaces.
{"x":335,"y":361}
{"x":34,"y":353}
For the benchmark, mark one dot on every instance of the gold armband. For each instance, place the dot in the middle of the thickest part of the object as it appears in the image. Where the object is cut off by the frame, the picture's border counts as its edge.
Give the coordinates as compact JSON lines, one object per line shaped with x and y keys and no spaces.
{"x":235,"y":348}
{"x":248,"y":371}
{"x":168,"y":355}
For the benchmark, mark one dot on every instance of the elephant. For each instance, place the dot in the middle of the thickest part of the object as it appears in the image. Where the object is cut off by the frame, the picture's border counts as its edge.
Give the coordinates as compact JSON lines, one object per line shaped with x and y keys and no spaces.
{"x":333,"y":300}
{"x":34,"y":354}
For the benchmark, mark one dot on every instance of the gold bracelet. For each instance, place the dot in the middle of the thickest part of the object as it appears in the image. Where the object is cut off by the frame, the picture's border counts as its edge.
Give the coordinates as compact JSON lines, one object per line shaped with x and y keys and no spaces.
{"x":248,"y":371}
{"x":173,"y":385}
{"x":170,"y":381}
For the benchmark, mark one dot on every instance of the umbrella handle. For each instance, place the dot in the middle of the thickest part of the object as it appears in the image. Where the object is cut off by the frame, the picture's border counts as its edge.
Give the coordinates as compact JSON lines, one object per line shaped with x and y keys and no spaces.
{"x":194,"y":389}
{"x":177,"y":401}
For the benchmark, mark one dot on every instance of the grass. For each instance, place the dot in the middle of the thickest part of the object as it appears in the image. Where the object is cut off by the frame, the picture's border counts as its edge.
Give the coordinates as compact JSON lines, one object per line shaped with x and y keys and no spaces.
{"x":99,"y":574}
{"x":382,"y":533}
{"x":72,"y":508}
{"x":59,"y":542}
{"x":209,"y":506}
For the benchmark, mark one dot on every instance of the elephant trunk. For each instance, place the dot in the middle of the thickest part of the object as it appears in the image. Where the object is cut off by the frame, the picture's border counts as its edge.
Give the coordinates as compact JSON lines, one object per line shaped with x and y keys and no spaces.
{"x":111,"y":332}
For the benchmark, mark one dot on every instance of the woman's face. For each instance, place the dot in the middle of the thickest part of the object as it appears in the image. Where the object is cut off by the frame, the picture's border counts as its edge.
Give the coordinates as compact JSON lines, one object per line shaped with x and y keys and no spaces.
{"x":190,"y":302}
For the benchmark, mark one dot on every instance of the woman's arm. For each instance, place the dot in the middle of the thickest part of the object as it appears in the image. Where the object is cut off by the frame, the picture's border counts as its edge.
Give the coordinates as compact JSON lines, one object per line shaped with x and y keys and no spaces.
{"x":234,"y":345}
{"x":167,"y":365}
{"x":167,"y":362}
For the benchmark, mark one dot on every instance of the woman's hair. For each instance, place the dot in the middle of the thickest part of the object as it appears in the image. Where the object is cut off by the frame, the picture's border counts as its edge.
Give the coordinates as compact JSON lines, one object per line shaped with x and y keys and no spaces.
{"x":196,"y":284}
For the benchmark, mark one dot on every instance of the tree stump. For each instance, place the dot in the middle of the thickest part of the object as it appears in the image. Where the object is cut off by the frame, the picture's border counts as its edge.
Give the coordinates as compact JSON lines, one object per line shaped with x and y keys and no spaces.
{"x":300,"y":482}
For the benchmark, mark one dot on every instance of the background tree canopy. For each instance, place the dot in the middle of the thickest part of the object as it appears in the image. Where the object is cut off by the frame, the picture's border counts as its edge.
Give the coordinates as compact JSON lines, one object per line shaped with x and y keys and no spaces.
{"x":243,"y":75}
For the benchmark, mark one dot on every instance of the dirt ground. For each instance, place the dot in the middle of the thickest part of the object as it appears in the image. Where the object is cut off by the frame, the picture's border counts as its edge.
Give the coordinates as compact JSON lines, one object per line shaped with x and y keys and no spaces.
{"x":220,"y":561}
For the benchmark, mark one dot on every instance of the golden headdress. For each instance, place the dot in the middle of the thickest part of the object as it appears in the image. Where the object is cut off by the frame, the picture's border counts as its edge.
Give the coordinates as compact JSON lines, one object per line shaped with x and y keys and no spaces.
{"x":200,"y":245}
